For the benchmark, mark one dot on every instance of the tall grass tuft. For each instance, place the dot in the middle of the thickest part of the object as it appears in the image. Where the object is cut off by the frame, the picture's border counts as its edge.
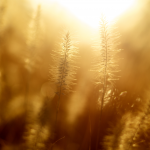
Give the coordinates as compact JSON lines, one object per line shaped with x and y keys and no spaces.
{"x":33,"y":40}
{"x":33,"y":133}
{"x":105,"y":63}
{"x":64,"y":69}
{"x":3,"y":8}
{"x":131,"y":131}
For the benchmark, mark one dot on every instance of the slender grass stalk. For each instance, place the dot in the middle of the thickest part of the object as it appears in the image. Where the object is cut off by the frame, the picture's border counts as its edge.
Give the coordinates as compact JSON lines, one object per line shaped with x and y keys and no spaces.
{"x":90,"y":129}
{"x":63,"y":73}
{"x":51,"y":147}
{"x":105,"y":65}
{"x":32,"y":45}
{"x":34,"y":39}
{"x":3,"y":8}
{"x":104,"y":36}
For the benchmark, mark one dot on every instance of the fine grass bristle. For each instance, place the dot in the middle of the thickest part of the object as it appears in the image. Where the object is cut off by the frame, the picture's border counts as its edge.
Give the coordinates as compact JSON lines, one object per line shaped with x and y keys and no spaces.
{"x":64,"y":70}
{"x":105,"y":64}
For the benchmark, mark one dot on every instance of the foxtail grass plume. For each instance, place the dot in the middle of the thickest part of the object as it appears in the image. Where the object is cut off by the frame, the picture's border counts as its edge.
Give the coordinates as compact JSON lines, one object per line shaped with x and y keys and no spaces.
{"x":64,"y":70}
{"x":105,"y":64}
{"x":34,"y":40}
{"x":131,"y":131}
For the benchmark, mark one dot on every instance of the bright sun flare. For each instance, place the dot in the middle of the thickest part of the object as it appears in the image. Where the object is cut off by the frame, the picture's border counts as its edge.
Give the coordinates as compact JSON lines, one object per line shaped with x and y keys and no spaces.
{"x":89,"y":11}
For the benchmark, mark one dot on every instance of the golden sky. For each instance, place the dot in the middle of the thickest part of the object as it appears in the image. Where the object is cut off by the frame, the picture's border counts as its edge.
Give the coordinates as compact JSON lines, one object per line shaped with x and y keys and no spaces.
{"x":89,"y":11}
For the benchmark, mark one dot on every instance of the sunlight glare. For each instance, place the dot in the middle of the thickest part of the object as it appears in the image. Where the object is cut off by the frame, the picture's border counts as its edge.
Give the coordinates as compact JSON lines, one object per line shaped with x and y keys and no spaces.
{"x":89,"y":11}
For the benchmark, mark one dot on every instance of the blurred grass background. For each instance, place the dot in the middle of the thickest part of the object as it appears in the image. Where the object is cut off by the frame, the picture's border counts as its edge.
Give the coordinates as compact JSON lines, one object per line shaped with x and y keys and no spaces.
{"x":27,"y":95}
